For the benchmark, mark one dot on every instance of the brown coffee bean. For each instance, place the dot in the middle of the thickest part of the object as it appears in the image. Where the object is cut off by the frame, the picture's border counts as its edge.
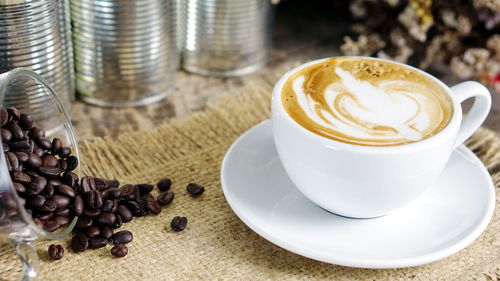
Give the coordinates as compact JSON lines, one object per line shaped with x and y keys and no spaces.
{"x":49,"y":206}
{"x":178,"y":223}
{"x":97,"y":242}
{"x":50,"y":172}
{"x":56,"y":252}
{"x":49,"y":190}
{"x":22,"y":156}
{"x":122,"y":237}
{"x":112,"y":193}
{"x":26,"y":121}
{"x":61,"y":201}
{"x":87,"y":183}
{"x":62,"y":220}
{"x":13,"y":112}
{"x":128,"y":191}
{"x":63,"y":213}
{"x":113,"y":183}
{"x":78,"y":205}
{"x":12,"y":161}
{"x":52,"y":225}
{"x":118,"y":222}
{"x":119,"y":251}
{"x":54,"y":182}
{"x":16,"y":131}
{"x":19,"y":188}
{"x":83,"y":222}
{"x":6,"y":135}
{"x":135,"y":208}
{"x":79,"y":243}
{"x":153,"y":206}
{"x":65,"y":152}
{"x":56,"y":146}
{"x":62,"y":164}
{"x":20,"y":177}
{"x":44,"y":216}
{"x":106,"y":218}
{"x":93,"y":199}
{"x":36,"y":201}
{"x":36,"y":133}
{"x":38,"y":222}
{"x":164,"y":184}
{"x":72,"y":163}
{"x":70,"y":178}
{"x":44,"y":143}
{"x":166,"y":198}
{"x":106,"y":232}
{"x":5,"y":147}
{"x":100,"y":184}
{"x":195,"y":189}
{"x":37,"y":184}
{"x":92,"y":231}
{"x":91,"y":213}
{"x":38,"y":151}
{"x":4,"y":117}
{"x":145,"y":188}
{"x":22,"y":145}
{"x":125,"y":213}
{"x":107,"y":206}
{"x":49,"y":161}
{"x":66,"y":190}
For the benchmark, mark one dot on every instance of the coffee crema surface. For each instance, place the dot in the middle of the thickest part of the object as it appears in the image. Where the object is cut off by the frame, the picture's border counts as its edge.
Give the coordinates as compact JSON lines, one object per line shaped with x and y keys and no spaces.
{"x":366,"y":101}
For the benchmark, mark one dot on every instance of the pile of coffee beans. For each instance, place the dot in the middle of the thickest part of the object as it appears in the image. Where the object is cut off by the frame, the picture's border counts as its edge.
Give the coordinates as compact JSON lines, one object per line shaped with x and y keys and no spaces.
{"x":41,"y":171}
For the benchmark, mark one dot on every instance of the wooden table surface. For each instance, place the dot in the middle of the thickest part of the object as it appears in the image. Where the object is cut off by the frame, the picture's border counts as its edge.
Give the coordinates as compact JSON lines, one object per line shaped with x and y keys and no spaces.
{"x":299,"y":38}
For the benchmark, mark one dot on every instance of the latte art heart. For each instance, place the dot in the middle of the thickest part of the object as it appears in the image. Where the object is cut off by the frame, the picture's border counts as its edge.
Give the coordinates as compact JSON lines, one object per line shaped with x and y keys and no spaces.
{"x":366,"y":102}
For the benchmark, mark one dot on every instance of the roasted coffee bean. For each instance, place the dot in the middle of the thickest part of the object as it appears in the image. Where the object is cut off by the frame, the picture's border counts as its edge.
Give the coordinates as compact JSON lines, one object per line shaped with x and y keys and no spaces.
{"x":16,"y":131}
{"x":78,"y":206}
{"x":113,"y":183}
{"x":97,"y":242}
{"x":122,"y":237}
{"x":128,"y":191}
{"x":56,"y":252}
{"x":61,"y":201}
{"x":125,"y":213}
{"x":6,"y":135}
{"x":31,"y":173}
{"x":54,"y":182}
{"x":93,"y":199}
{"x":63,"y":212}
{"x":38,"y":151}
{"x":49,"y":206}
{"x":153,"y":206}
{"x":70,"y":178}
{"x":72,"y":163}
{"x":44,"y":216}
{"x":22,"y":145}
{"x":118,"y":222}
{"x":195,"y":189}
{"x":92,"y":231}
{"x":50,"y":172}
{"x":26,"y":121}
{"x":56,"y":146}
{"x":20,"y":177}
{"x":49,"y":161}
{"x":36,"y":133}
{"x":62,"y":220}
{"x":79,"y":243}
{"x":119,"y":251}
{"x":164,"y":184}
{"x":166,"y":198}
{"x":14,"y":112}
{"x":34,"y":160}
{"x":83,"y":222}
{"x":87,"y":183}
{"x":65,"y":152}
{"x":12,"y":161}
{"x":63,"y":164}
{"x":145,"y":188}
{"x":22,"y":156}
{"x":38,"y":183}
{"x":178,"y":223}
{"x":44,"y":143}
{"x":100,"y":184}
{"x":5,"y":147}
{"x":107,"y":205}
{"x":91,"y":213}
{"x":38,"y":222}
{"x":36,"y":201}
{"x":4,"y":117}
{"x":52,"y":225}
{"x":135,"y":208}
{"x":106,"y":218}
{"x":106,"y":232}
{"x":19,"y":188}
{"x":66,"y":190}
{"x":112,"y":193}
{"x":49,"y":190}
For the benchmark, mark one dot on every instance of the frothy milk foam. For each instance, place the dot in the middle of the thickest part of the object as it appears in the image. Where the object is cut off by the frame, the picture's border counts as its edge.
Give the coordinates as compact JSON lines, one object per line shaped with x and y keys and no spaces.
{"x":366,"y":102}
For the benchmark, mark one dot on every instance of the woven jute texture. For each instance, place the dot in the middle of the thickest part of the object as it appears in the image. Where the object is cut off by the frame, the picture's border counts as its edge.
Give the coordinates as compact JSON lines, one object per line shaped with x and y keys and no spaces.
{"x":216,"y":245}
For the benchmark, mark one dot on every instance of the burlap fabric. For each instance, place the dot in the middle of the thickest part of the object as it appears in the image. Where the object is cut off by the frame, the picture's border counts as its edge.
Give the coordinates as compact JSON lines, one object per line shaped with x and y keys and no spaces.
{"x":216,"y":245}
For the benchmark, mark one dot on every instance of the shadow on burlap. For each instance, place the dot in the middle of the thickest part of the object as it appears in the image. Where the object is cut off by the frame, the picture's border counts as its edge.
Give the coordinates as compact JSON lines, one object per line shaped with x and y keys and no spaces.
{"x":216,"y":245}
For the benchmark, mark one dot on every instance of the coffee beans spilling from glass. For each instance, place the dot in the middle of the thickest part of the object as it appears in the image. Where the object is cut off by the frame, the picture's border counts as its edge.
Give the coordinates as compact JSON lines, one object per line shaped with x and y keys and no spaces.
{"x":42,"y":174}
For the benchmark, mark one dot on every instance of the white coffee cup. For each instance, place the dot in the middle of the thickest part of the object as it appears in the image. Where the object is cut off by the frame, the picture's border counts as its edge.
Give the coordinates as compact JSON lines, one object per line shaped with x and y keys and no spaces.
{"x":365,"y":181}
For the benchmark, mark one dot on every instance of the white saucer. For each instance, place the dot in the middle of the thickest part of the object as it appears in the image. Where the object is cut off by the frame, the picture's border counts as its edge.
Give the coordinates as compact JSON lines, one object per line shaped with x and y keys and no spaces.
{"x":440,"y":223}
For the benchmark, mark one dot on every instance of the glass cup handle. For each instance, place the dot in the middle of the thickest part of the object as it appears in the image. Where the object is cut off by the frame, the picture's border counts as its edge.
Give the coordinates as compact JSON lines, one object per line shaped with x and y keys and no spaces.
{"x":479,"y":110}
{"x":26,"y":251}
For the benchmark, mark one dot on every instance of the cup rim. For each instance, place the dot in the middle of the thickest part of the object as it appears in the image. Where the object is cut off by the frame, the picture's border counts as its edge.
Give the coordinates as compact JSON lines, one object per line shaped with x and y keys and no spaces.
{"x":71,"y":134}
{"x":451,"y":127}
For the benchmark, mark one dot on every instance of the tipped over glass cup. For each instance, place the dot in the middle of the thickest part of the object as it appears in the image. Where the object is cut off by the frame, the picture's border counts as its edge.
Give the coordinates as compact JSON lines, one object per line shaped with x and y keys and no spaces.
{"x":26,"y":90}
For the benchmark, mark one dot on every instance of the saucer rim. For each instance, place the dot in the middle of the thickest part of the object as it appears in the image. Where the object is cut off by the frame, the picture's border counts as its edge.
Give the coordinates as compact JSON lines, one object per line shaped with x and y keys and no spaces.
{"x":362,"y":262}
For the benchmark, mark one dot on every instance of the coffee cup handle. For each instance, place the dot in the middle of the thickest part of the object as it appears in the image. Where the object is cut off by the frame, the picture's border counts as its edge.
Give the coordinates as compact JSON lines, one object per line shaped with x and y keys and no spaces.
{"x":478,"y":112}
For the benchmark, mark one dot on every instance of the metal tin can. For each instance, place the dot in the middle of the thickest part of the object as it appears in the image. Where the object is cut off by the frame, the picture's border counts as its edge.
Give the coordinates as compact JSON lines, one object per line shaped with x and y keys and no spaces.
{"x":226,"y":37}
{"x":35,"y":34}
{"x":125,"y":50}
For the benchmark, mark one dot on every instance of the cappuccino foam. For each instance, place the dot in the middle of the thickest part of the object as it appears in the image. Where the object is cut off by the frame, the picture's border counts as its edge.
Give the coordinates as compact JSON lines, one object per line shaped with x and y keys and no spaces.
{"x":366,"y":102}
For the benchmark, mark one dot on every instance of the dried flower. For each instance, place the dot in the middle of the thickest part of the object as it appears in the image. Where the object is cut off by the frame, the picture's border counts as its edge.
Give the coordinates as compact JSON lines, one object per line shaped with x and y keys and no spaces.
{"x":364,"y":46}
